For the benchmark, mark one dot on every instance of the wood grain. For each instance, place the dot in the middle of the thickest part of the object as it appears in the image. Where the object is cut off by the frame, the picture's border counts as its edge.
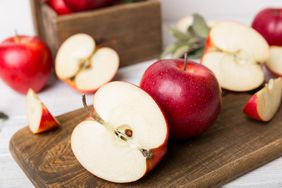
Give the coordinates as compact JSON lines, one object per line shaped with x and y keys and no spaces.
{"x":234,"y":146}
{"x":133,"y":30}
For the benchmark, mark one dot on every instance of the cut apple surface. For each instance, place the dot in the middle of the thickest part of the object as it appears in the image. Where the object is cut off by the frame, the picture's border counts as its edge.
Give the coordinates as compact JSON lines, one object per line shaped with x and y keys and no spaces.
{"x":39,"y":118}
{"x":80,"y":64}
{"x":233,"y":75}
{"x":274,"y":64}
{"x":234,"y":53}
{"x":265,"y":103}
{"x":127,"y":136}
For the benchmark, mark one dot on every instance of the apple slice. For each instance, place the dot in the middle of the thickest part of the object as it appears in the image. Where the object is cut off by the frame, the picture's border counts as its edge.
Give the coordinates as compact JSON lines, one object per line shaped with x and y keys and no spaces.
{"x":263,"y":105}
{"x":84,"y":67}
{"x":39,"y":118}
{"x":234,"y":53}
{"x":232,"y":73}
{"x":274,"y":64}
{"x":126,"y":137}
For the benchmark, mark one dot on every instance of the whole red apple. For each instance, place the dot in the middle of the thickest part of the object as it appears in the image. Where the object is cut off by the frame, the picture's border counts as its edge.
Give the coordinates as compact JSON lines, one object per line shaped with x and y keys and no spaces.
{"x":25,"y":62}
{"x":59,"y":7}
{"x":190,"y":98}
{"x":268,"y":23}
{"x":82,"y":5}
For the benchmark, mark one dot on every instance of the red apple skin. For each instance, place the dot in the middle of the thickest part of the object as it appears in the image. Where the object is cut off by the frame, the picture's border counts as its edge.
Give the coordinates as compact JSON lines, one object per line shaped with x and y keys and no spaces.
{"x":191,"y":99}
{"x":250,"y":109}
{"x":59,"y":7}
{"x":83,"y":5}
{"x":268,"y":23}
{"x":25,"y":62}
{"x":47,"y":122}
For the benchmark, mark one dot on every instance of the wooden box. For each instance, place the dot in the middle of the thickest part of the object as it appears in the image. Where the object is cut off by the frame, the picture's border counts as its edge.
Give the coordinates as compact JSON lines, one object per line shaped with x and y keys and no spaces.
{"x":134,"y":29}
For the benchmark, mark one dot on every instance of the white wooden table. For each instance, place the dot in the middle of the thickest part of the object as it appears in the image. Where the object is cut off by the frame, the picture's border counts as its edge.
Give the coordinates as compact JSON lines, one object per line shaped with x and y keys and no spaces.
{"x":59,"y":98}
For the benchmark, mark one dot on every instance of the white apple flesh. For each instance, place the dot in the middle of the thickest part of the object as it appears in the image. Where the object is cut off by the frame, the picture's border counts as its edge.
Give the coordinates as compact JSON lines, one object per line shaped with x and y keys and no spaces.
{"x":127,"y":137}
{"x":263,"y":105}
{"x":274,"y":64}
{"x":234,"y":53}
{"x":39,"y":118}
{"x":84,"y":67}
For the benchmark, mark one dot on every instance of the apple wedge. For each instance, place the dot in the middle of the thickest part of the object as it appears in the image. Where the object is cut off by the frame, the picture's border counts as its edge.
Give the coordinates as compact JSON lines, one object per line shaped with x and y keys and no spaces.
{"x":39,"y":118}
{"x":274,"y":64}
{"x":263,"y":105}
{"x":125,"y":137}
{"x":235,"y":52}
{"x":83,"y":66}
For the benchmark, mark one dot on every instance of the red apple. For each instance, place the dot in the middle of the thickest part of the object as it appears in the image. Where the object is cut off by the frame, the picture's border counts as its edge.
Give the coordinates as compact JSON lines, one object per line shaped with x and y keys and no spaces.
{"x":39,"y":118}
{"x":190,"y":99}
{"x":125,"y":137}
{"x":82,"y":5}
{"x":59,"y":7}
{"x":263,"y":105}
{"x":25,"y":62}
{"x":268,"y":22}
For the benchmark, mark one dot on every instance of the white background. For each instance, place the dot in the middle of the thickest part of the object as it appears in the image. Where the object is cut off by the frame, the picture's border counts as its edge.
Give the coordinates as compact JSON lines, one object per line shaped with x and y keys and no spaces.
{"x":16,"y":15}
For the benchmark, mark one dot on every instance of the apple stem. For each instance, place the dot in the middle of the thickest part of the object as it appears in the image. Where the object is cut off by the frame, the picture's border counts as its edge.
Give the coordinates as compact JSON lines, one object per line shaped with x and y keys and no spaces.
{"x":17,"y":36}
{"x":185,"y":60}
{"x":123,"y":136}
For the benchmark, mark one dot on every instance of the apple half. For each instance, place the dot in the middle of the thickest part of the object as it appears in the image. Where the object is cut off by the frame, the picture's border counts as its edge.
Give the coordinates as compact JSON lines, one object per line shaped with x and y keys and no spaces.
{"x":263,"y":105}
{"x":235,"y":52}
{"x":126,"y":137}
{"x":39,"y":117}
{"x":274,"y":64}
{"x":83,"y":66}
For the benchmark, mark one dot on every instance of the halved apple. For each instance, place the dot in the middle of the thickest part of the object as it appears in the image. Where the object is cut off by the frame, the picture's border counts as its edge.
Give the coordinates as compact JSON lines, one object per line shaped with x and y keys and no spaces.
{"x":235,"y":52}
{"x":126,"y":137}
{"x":84,"y":67}
{"x":274,"y":64}
{"x":39,"y":118}
{"x":263,"y":105}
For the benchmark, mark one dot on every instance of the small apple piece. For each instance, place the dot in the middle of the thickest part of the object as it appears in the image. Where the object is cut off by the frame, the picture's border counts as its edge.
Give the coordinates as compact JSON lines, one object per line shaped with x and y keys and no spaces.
{"x":39,"y":118}
{"x":235,"y":52}
{"x":274,"y":63}
{"x":263,"y":105}
{"x":84,"y":67}
{"x":126,"y":137}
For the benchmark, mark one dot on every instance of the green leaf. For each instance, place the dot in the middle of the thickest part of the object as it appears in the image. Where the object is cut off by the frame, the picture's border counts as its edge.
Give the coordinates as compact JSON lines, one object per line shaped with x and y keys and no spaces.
{"x":3,"y":116}
{"x":200,"y":26}
{"x":169,"y":50}
{"x":196,"y":54}
{"x":179,"y":52}
{"x":178,"y":34}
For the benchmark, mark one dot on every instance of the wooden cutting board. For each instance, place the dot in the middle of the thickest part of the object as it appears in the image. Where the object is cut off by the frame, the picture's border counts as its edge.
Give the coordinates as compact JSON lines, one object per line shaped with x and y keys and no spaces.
{"x":234,"y":146}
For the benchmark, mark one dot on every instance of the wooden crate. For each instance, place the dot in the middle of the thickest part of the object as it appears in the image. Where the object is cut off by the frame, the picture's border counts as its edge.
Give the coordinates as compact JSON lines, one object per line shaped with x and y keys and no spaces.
{"x":134,"y":30}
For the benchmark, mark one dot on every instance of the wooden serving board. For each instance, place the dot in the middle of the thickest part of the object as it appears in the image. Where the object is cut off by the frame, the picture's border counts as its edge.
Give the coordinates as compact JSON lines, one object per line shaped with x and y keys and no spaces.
{"x":234,"y":146}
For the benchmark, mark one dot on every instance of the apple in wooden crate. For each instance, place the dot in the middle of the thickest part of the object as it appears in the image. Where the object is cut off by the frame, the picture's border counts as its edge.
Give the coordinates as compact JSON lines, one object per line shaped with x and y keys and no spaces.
{"x":263,"y":105}
{"x":125,"y":137}
{"x":83,"y":5}
{"x":189,"y":95}
{"x":235,"y":52}
{"x":84,"y":66}
{"x":25,"y":62}
{"x":39,"y":117}
{"x":59,"y":7}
